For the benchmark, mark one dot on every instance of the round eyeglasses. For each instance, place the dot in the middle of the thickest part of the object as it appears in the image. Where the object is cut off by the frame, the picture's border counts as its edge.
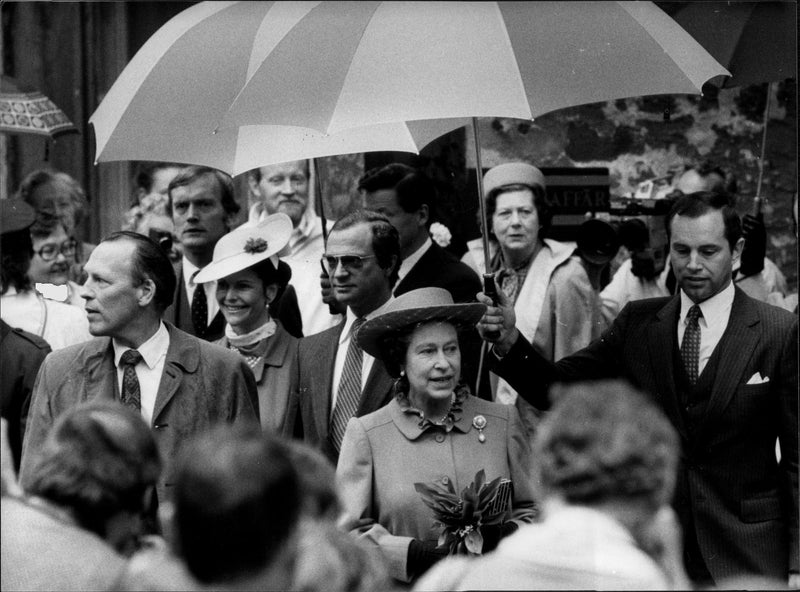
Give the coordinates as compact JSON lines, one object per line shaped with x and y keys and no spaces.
{"x":51,"y":250}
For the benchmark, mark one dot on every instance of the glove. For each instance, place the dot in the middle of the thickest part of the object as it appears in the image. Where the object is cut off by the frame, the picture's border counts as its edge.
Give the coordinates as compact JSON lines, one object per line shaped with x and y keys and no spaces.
{"x":494,"y":533}
{"x":755,"y":245}
{"x":422,"y":555}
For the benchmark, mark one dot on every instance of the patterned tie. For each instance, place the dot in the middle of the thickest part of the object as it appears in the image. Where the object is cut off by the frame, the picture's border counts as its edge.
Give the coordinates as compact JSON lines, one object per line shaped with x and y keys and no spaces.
{"x":199,"y":310}
{"x":349,"y":392}
{"x":131,"y":393}
{"x":690,"y":347}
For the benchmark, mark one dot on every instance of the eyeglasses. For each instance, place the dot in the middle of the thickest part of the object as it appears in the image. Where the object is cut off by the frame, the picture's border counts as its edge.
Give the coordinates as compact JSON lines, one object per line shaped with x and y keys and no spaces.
{"x":50,"y":251}
{"x":349,"y":262}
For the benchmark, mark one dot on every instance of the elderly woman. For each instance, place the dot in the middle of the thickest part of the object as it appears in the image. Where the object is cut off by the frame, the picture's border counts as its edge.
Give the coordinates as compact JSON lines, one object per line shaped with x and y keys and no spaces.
{"x":434,"y":431}
{"x":606,"y":462}
{"x":54,"y":253}
{"x":249,"y":277}
{"x":557,"y":309}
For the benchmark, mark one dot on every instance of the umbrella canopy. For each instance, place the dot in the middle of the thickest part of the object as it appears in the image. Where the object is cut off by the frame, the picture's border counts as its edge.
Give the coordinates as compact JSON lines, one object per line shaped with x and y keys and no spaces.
{"x":755,"y":41}
{"x":337,"y":65}
{"x":25,"y":111}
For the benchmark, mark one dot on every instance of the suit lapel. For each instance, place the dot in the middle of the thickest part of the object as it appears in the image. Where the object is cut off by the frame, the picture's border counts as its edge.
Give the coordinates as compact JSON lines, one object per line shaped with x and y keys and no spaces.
{"x":101,"y":374}
{"x":376,"y":389}
{"x":661,"y":340}
{"x":736,"y":346}
{"x":324,"y":357}
{"x":180,"y":366}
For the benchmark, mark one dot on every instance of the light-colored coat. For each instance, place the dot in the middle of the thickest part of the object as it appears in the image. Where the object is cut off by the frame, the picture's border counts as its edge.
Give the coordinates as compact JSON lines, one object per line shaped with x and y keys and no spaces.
{"x":385,"y":453}
{"x":202,"y":384}
{"x":275,"y":376}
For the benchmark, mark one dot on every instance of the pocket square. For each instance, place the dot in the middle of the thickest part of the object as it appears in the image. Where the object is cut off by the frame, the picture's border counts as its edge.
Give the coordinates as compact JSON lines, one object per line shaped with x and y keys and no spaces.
{"x":758,"y":379}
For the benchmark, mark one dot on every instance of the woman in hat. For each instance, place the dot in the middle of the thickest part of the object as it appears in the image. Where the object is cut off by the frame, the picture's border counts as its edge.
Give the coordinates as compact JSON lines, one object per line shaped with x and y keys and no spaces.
{"x":249,"y":277}
{"x":433,"y":432}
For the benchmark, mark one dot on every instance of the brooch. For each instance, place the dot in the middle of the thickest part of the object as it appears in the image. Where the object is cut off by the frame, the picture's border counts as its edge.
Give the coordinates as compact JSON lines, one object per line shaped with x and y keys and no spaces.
{"x":255,"y":245}
{"x":479,"y":422}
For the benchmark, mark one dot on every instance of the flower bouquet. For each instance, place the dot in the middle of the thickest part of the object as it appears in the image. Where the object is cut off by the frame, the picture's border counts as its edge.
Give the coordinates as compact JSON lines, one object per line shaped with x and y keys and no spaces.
{"x":461,"y":517}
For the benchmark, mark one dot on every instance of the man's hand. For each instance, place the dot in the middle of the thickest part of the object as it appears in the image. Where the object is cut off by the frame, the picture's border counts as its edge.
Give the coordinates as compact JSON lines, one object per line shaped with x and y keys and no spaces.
{"x":498,"y":324}
{"x":334,"y":306}
{"x":755,"y":244}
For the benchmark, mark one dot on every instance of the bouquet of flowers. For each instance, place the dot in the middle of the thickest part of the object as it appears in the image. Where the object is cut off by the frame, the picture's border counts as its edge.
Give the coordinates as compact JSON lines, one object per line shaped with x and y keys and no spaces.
{"x":461,"y":517}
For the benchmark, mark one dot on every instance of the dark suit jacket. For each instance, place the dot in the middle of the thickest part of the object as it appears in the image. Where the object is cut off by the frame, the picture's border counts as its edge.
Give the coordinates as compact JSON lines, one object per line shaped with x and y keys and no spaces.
{"x":316,"y":356}
{"x":744,"y":504}
{"x":179,"y":313}
{"x":437,"y":268}
{"x":201,"y":384}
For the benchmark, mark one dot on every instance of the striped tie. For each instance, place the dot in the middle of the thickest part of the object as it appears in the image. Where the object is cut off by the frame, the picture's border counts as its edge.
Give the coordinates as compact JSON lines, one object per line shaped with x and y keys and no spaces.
{"x":349,"y":393}
{"x":690,"y":346}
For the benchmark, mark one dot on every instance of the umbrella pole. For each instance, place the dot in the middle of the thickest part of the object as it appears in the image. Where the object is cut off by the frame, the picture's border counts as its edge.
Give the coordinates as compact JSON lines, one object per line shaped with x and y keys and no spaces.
{"x":318,"y":185}
{"x":757,"y":201}
{"x":489,"y":287}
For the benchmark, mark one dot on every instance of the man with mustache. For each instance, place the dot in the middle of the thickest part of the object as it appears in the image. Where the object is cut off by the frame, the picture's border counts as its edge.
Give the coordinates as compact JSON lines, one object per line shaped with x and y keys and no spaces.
{"x":284,"y":188}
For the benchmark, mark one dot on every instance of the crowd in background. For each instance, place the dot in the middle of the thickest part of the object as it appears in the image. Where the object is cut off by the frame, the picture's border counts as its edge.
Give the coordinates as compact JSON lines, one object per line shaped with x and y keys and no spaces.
{"x":191,"y":404}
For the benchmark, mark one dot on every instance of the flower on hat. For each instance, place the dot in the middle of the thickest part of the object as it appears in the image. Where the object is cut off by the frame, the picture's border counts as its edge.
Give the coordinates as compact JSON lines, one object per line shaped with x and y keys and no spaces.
{"x":255,"y":245}
{"x":441,"y":234}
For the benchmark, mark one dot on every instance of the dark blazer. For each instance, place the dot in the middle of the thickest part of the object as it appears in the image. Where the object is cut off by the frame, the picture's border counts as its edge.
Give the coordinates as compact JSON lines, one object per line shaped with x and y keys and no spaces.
{"x":21,"y":354}
{"x":438,"y":268}
{"x":202,"y":384}
{"x":316,"y":355}
{"x":744,"y":504}
{"x":179,"y":313}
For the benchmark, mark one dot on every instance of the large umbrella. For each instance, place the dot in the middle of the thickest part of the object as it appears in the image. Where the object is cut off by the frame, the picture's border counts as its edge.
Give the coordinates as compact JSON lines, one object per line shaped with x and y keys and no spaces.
{"x":219,"y":66}
{"x":755,"y":41}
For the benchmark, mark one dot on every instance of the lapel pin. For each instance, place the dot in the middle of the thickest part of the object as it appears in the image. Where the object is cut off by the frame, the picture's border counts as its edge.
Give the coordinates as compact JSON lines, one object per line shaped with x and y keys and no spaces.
{"x":479,"y":422}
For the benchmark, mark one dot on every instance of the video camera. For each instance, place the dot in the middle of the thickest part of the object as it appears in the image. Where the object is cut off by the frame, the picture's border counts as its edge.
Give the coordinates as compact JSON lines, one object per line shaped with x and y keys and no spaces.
{"x":585,"y":212}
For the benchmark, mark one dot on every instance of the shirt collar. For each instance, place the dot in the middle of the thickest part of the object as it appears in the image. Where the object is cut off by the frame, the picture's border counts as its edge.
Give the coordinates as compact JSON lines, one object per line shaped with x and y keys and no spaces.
{"x":410,"y":261}
{"x":152,"y":350}
{"x":350,"y":318}
{"x":189,"y":269}
{"x":714,"y":309}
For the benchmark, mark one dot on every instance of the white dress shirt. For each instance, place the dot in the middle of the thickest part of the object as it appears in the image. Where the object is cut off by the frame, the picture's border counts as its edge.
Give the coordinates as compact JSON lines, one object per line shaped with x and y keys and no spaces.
{"x":189,"y":269}
{"x":341,"y":353}
{"x":409,"y":262}
{"x":149,"y":370}
{"x":716,"y":312}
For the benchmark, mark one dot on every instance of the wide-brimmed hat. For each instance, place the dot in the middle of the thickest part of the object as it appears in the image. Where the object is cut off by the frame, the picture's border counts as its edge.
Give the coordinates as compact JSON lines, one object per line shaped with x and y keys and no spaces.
{"x":417,"y":306}
{"x":512,"y":173}
{"x":15,"y":215}
{"x":246,"y":246}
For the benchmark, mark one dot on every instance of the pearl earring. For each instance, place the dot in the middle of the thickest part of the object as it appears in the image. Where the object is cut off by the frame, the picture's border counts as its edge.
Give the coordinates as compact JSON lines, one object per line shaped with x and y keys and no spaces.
{"x":402,"y":372}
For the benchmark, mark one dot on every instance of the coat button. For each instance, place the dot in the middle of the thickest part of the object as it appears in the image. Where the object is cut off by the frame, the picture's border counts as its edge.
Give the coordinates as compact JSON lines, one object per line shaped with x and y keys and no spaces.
{"x":440,"y":438}
{"x":445,"y":480}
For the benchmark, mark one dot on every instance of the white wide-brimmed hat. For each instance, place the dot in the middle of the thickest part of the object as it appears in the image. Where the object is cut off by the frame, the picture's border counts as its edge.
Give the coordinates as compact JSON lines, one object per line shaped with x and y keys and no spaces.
{"x":416,"y":306}
{"x":246,"y":246}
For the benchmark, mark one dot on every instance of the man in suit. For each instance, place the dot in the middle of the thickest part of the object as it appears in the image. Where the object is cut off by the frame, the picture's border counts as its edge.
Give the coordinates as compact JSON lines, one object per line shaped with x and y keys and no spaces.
{"x":203,"y":208}
{"x":180,"y":384}
{"x":85,"y":503}
{"x":407,"y":198}
{"x":723,"y":367}
{"x":336,"y":379}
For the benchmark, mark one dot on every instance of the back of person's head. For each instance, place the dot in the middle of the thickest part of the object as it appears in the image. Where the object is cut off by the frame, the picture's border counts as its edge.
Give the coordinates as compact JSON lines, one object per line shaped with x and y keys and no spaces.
{"x":151,"y":262}
{"x":604,"y":441}
{"x":317,"y":479}
{"x":715,"y":178}
{"x":385,"y":238}
{"x":98,"y":460}
{"x":146,"y":172}
{"x":698,"y":204}
{"x":62,"y":185}
{"x":16,"y":252}
{"x":222,"y":180}
{"x":414,"y":188}
{"x":237,"y":503}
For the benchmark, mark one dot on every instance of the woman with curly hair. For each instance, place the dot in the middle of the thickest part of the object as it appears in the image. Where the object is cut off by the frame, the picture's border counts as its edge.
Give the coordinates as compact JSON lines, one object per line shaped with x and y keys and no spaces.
{"x":433,"y":432}
{"x":606,"y":460}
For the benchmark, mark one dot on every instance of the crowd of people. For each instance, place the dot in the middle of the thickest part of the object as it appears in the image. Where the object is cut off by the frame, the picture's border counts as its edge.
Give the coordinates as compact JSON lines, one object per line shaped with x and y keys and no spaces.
{"x":295,"y":404}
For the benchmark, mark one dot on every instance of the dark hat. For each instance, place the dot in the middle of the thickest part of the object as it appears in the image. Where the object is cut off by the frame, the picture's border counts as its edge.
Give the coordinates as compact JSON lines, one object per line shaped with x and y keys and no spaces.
{"x":416,"y":306}
{"x":15,"y":215}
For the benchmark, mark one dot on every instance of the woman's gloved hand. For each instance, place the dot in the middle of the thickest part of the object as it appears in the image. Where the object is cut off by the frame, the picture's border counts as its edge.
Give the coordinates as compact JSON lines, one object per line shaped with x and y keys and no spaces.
{"x":755,"y":244}
{"x":422,"y":555}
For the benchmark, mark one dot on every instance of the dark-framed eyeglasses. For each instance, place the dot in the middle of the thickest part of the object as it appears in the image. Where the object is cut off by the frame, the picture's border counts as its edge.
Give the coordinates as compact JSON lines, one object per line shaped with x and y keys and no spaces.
{"x":348,"y":262}
{"x":51,"y":250}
